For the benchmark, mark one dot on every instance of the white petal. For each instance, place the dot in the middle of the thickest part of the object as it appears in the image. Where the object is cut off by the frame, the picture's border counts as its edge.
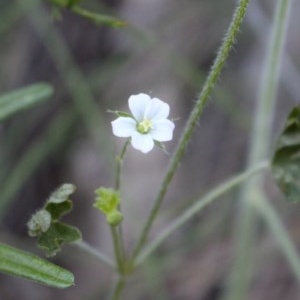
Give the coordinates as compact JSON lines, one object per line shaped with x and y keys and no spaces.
{"x":123,"y":127}
{"x":156,"y":110}
{"x":162,"y":130}
{"x":137,"y":105}
{"x":142,"y":142}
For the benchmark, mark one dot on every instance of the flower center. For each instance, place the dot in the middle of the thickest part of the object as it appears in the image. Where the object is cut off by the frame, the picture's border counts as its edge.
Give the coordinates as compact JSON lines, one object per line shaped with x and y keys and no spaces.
{"x":145,"y":126}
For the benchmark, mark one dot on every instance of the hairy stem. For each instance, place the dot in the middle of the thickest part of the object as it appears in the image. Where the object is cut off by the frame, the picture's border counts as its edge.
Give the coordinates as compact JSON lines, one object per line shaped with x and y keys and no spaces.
{"x":194,"y":117}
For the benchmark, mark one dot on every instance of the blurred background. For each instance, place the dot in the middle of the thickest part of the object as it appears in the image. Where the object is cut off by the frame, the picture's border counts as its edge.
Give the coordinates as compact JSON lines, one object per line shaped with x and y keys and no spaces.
{"x":166,"y":50}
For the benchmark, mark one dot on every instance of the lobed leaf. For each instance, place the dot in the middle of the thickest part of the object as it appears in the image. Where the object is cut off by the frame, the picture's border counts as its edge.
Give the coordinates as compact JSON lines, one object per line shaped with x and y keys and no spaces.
{"x":59,"y":209}
{"x":58,"y":203}
{"x":57,"y":235}
{"x":22,"y":264}
{"x":23,"y":98}
{"x":286,"y":159}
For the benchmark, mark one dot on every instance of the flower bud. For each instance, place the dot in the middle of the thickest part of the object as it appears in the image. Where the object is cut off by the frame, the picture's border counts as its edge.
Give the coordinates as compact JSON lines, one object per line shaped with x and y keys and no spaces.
{"x":107,"y":200}
{"x":114,"y":218}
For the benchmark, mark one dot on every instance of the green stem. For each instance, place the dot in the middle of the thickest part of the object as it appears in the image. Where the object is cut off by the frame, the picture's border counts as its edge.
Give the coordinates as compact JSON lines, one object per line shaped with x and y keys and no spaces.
{"x":195,"y":115}
{"x":117,"y":249}
{"x":92,"y":251}
{"x":273,"y":221}
{"x":197,"y":207}
{"x":260,"y":143}
{"x":264,"y":114}
{"x":118,"y":288}
{"x":120,"y":159}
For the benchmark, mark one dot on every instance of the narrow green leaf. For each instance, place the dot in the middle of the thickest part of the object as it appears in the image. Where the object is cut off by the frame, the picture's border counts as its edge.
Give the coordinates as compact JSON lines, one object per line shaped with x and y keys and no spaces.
{"x":19,"y":263}
{"x":97,"y":18}
{"x":23,"y":98}
{"x":286,"y":160}
{"x":57,"y":235}
{"x":65,"y":3}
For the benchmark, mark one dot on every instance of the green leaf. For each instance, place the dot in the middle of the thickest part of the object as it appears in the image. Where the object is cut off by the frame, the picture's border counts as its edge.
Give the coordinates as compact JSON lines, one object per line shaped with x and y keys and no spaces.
{"x":58,"y":209}
{"x":286,"y":160}
{"x":51,"y":233}
{"x":58,"y":203}
{"x":23,"y":98}
{"x":19,"y":263}
{"x":65,"y":3}
{"x":98,"y":19}
{"x":57,"y":235}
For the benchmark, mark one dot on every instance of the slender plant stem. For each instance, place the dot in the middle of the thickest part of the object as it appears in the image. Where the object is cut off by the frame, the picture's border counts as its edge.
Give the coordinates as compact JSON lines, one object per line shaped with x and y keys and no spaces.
{"x":272,"y":219}
{"x":118,"y":288}
{"x":197,"y":207}
{"x":194,"y":117}
{"x":260,"y":143}
{"x":92,"y":251}
{"x":117,"y":249}
{"x":120,"y":159}
{"x":119,"y":166}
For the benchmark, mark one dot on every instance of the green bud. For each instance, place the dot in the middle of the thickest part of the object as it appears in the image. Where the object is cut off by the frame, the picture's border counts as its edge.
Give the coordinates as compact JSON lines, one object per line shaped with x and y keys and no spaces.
{"x":107,"y":200}
{"x":114,"y":218}
{"x":39,"y":223}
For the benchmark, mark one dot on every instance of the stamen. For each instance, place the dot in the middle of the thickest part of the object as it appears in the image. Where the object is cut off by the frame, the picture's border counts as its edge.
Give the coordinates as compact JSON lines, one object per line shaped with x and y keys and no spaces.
{"x":145,"y":126}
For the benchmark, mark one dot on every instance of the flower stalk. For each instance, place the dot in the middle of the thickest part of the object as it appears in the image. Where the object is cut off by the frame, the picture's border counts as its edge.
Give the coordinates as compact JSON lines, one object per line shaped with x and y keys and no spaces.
{"x":120,"y":159}
{"x":118,"y":250}
{"x":119,"y":166}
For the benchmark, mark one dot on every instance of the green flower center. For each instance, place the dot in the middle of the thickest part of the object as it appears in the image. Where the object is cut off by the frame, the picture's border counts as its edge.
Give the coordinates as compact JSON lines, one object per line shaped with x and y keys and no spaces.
{"x":145,"y":126}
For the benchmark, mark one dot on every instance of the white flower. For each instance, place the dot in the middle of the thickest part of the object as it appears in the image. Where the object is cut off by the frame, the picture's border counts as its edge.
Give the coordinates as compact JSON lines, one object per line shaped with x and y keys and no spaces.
{"x":148,"y":124}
